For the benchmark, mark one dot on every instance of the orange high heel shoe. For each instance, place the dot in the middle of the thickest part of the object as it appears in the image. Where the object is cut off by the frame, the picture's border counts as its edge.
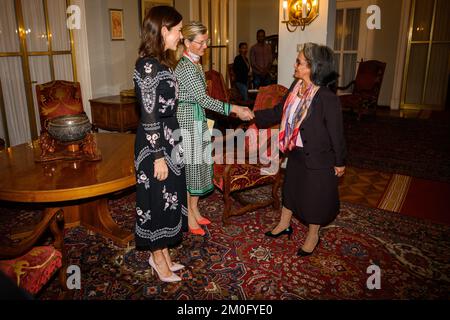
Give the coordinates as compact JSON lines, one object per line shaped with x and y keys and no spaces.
{"x":203,"y":222}
{"x":172,"y":278}
{"x":197,"y":232}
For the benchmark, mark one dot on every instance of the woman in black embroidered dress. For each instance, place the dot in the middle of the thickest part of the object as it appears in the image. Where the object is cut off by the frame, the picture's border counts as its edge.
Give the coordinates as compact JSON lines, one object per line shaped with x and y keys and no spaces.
{"x":161,"y":208}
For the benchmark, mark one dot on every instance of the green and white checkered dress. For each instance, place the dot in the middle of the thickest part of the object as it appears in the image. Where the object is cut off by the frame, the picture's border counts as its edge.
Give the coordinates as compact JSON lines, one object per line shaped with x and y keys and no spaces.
{"x":193,"y":100}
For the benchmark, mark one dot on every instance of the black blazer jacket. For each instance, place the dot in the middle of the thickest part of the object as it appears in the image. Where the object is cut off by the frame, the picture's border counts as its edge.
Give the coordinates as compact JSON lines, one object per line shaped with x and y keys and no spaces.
{"x":241,"y":69}
{"x":322,"y":130}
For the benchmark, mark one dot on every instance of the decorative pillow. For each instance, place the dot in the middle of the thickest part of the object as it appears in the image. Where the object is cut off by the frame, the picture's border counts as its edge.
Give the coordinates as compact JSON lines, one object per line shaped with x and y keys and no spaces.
{"x":34,"y":269}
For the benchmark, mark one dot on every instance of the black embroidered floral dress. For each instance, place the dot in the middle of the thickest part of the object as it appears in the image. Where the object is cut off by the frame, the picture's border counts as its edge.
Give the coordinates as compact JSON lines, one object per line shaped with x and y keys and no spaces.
{"x":161,"y":206}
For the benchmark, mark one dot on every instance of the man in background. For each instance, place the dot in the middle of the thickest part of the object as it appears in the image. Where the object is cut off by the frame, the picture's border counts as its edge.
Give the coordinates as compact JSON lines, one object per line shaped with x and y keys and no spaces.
{"x":241,"y":67}
{"x":261,"y":60}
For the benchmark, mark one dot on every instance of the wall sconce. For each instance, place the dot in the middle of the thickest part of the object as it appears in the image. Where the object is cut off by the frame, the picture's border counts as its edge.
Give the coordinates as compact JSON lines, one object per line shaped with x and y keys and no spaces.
{"x":299,"y":13}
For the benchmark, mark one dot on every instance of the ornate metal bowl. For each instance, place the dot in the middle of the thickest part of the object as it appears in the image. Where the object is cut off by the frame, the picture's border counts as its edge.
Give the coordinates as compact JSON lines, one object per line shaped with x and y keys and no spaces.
{"x":69,"y":128}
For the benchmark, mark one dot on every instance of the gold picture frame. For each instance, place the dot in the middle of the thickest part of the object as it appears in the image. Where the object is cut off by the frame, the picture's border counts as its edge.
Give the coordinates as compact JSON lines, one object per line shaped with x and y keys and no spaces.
{"x":116,"y":23}
{"x":146,"y":5}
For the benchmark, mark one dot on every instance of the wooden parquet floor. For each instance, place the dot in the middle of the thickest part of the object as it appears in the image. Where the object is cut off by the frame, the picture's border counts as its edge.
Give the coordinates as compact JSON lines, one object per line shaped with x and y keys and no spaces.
{"x":362,"y":186}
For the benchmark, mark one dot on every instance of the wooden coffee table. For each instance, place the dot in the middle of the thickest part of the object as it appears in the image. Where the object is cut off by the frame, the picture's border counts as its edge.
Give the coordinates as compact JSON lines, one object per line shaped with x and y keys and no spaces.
{"x":79,"y":188}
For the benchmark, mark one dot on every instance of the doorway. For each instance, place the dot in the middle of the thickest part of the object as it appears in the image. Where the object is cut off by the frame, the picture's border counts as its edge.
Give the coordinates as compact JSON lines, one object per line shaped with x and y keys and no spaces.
{"x":425,"y":83}
{"x":349,"y":44}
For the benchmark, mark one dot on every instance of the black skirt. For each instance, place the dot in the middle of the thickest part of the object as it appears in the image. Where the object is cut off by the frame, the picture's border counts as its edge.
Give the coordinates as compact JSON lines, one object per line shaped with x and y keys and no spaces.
{"x":311,"y":194}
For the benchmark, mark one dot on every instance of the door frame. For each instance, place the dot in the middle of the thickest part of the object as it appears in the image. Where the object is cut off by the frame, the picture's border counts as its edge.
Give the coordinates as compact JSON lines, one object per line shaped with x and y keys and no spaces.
{"x":363,"y":38}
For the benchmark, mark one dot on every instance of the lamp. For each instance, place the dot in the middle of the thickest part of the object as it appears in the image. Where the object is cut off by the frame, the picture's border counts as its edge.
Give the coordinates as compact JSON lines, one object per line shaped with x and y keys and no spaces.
{"x":299,"y":13}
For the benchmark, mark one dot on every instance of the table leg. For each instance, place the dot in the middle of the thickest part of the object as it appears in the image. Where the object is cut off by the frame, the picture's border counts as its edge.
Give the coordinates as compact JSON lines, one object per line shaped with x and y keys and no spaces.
{"x":95,"y":216}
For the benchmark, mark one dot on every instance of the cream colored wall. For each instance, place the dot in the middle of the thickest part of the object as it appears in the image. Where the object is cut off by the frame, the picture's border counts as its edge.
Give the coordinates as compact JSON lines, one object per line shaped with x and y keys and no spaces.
{"x":384,"y":45}
{"x":316,"y":32}
{"x":252,"y":15}
{"x":83,"y":65}
{"x":183,"y":7}
{"x":111,"y":62}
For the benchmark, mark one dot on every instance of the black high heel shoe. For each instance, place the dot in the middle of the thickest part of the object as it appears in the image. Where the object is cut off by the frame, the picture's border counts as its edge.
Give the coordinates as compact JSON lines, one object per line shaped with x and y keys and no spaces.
{"x":287,"y":231}
{"x":302,"y":253}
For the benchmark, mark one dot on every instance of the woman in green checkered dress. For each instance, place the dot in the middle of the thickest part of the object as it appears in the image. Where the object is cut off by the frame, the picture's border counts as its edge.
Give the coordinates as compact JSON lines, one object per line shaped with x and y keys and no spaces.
{"x":193,"y":100}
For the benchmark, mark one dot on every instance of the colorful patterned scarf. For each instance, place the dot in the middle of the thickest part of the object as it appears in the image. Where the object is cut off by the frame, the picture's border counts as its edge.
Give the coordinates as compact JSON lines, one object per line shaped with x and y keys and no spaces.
{"x":295,"y":109}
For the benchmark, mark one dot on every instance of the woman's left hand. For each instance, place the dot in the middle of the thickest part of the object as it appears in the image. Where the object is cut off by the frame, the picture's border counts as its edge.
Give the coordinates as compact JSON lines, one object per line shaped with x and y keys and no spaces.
{"x":339,"y":171}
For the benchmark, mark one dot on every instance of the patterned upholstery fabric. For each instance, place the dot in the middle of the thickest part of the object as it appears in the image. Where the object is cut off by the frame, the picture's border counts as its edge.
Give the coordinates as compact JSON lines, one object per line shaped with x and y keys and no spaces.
{"x":58,"y":98}
{"x":242,"y":176}
{"x":267,"y":97}
{"x":34,"y":269}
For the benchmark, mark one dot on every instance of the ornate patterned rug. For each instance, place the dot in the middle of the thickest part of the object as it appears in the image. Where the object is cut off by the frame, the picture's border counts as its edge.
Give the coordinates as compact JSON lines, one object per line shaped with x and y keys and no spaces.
{"x":413,"y":147}
{"x":239,"y":262}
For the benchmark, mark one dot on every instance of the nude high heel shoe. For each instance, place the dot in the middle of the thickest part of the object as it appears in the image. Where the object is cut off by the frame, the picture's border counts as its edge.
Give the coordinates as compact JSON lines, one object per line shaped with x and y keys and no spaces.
{"x":172,"y":278}
{"x":176,"y":267}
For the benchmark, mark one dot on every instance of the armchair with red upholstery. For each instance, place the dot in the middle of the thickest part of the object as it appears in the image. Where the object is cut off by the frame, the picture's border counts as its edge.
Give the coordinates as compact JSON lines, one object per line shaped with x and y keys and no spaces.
{"x":366,"y":88}
{"x":58,"y":98}
{"x":216,"y":89}
{"x":31,"y":266}
{"x":230,"y":179}
{"x":216,"y":86}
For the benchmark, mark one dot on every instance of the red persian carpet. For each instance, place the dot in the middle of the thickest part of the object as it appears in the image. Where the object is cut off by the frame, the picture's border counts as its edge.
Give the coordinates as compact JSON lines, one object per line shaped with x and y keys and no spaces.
{"x":239,"y":262}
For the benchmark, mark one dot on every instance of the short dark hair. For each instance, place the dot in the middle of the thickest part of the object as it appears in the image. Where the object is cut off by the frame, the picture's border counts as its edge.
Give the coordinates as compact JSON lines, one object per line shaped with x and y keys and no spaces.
{"x":152,"y":43}
{"x":321,"y":62}
{"x":241,"y":44}
{"x":261,"y":30}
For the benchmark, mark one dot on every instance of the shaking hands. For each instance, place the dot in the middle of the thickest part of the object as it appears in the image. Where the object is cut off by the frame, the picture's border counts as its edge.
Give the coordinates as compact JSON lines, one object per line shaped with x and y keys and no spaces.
{"x":243,"y":113}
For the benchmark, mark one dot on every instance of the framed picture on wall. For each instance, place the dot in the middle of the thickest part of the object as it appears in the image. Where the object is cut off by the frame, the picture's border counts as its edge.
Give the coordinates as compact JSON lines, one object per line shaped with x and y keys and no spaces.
{"x":148,"y":4}
{"x":116,"y":22}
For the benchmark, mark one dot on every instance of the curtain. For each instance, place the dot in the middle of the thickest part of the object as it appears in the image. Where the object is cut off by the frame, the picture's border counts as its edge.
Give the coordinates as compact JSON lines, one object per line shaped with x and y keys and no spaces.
{"x":40,"y":72}
{"x":9,"y":39}
{"x":416,"y":73}
{"x":57,"y":23}
{"x":12,"y":81}
{"x":35,"y":26}
{"x":14,"y":96}
{"x":352,"y":29}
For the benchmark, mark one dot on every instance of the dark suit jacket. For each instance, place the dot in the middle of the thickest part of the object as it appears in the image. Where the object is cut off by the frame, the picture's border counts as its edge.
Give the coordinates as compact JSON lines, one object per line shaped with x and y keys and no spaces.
{"x":322,"y":130}
{"x":240,"y":69}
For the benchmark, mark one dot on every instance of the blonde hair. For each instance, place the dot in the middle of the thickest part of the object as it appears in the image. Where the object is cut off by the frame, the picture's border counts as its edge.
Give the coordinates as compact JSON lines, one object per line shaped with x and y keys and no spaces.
{"x":193,"y":28}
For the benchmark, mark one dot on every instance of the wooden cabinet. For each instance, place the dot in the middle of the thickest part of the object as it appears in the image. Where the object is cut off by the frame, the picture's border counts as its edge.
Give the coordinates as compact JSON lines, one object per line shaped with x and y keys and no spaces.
{"x":115,"y":113}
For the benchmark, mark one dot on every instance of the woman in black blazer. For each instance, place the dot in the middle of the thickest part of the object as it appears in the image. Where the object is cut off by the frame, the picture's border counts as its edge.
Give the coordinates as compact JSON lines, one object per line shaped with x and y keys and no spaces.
{"x":311,"y":135}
